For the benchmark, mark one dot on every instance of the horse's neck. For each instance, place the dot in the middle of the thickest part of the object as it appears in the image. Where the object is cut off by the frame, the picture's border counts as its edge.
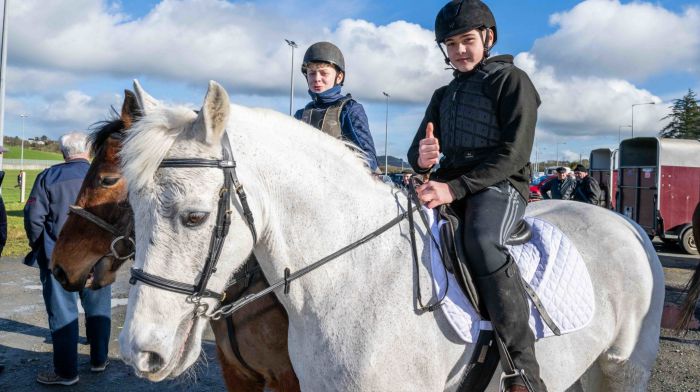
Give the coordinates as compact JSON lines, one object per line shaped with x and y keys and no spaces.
{"x":311,"y":208}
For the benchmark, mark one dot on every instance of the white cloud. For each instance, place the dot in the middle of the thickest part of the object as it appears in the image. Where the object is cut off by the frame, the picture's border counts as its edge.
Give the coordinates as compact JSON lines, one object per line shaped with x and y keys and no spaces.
{"x":590,"y":106}
{"x":238,"y":44}
{"x":630,"y":41}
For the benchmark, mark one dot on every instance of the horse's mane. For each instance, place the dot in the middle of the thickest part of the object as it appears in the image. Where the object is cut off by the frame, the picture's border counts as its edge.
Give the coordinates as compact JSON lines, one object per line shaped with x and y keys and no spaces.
{"x":149,"y":140}
{"x":103,"y":130}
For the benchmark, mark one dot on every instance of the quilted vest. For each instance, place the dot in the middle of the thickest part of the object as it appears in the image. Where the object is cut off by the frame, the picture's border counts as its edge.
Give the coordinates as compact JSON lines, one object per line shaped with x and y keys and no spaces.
{"x":469,"y":126}
{"x":327,"y":120}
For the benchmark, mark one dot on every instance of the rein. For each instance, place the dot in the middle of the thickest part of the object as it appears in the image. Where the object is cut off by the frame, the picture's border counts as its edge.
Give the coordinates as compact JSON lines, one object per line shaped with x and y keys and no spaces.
{"x":195,"y":292}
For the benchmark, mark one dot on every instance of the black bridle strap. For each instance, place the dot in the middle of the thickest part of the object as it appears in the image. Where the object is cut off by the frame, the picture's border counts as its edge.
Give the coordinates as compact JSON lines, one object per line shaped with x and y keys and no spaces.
{"x":221,"y":228}
{"x":229,"y":309}
{"x":90,"y":217}
{"x":170,"y":285}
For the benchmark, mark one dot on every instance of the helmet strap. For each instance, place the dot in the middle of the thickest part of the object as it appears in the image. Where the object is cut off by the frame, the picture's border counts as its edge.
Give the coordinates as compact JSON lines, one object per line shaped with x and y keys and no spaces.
{"x":487,"y":47}
{"x":447,"y":59}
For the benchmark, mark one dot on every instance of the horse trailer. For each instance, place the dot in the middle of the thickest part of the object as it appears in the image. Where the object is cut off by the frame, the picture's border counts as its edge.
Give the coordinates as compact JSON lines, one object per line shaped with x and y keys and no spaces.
{"x":659,"y":186}
{"x":602,"y":168}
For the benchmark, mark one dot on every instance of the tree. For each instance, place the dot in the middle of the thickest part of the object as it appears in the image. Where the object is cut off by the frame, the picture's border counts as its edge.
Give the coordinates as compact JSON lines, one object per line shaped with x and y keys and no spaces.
{"x":685,"y":119}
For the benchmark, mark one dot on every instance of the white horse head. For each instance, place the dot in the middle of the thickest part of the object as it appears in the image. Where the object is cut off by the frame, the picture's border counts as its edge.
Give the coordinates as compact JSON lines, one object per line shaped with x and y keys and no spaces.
{"x":354,"y":324}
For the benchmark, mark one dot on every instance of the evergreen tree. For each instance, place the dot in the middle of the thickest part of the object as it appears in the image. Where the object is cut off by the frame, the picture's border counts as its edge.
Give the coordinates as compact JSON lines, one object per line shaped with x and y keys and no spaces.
{"x":685,"y":119}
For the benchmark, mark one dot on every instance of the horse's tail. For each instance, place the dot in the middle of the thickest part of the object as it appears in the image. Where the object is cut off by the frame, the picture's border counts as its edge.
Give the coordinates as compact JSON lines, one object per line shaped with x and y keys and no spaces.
{"x":688,"y":307}
{"x":693,"y":287}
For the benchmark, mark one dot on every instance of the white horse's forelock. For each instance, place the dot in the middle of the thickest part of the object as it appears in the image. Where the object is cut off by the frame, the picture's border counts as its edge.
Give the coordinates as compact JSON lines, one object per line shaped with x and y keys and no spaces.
{"x":148,"y":141}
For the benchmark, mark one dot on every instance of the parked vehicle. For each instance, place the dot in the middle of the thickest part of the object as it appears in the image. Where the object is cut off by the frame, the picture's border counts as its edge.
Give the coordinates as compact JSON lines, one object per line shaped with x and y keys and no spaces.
{"x":659,"y":186}
{"x":604,"y":170}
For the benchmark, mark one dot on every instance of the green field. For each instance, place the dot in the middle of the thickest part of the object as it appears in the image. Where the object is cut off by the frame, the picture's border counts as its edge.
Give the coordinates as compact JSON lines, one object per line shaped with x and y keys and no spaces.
{"x":15,"y":152}
{"x":17,"y":244}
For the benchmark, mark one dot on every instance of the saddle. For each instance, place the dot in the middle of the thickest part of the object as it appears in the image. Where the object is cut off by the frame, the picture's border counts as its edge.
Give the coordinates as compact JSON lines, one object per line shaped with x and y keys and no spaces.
{"x":454,"y":258}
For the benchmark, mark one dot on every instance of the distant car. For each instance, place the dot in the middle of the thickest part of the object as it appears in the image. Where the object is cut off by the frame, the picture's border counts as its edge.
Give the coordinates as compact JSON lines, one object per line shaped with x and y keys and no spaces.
{"x":386,"y":179}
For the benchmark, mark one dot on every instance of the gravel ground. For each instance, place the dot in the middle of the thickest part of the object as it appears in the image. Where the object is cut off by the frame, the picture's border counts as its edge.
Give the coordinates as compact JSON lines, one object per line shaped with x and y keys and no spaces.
{"x":25,"y":340}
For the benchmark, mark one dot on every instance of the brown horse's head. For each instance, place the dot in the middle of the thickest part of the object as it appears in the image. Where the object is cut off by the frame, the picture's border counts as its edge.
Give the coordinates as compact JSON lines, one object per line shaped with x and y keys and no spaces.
{"x":83,"y":255}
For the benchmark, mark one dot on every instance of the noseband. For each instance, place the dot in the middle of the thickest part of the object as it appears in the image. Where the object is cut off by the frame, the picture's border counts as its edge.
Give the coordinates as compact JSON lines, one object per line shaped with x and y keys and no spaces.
{"x":196,"y":292}
{"x":119,"y":236}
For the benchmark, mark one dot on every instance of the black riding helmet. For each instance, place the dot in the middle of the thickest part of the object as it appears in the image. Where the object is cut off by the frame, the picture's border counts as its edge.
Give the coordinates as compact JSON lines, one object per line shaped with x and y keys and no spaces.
{"x":460,"y":16}
{"x":324,"y":52}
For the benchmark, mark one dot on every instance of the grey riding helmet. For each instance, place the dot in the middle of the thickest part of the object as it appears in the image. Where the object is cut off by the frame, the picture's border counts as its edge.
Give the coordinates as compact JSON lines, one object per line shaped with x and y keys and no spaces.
{"x":324,"y":52}
{"x":460,"y":16}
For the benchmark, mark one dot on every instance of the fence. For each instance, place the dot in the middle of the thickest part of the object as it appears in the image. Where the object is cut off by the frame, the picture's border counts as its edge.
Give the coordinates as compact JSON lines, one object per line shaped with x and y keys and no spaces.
{"x":29,"y":164}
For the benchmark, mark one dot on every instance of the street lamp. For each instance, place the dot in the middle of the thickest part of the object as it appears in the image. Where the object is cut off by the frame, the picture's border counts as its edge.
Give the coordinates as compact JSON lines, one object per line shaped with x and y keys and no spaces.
{"x":619,"y":132}
{"x":638,"y":104}
{"x":558,"y":143}
{"x":21,"y":156}
{"x":293,"y":45}
{"x":386,"y":136}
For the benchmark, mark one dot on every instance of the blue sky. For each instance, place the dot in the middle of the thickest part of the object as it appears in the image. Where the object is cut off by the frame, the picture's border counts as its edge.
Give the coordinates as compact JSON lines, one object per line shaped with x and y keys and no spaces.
{"x":590,"y":60}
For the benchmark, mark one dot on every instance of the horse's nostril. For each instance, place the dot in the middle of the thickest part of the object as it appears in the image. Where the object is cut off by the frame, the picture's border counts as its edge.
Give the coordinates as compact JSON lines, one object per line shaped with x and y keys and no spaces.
{"x":149,"y":362}
{"x":60,"y":275}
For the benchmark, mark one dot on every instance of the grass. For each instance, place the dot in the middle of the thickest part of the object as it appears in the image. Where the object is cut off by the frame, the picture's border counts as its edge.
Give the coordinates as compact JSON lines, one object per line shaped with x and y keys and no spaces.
{"x":15,"y":153}
{"x":17,"y":244}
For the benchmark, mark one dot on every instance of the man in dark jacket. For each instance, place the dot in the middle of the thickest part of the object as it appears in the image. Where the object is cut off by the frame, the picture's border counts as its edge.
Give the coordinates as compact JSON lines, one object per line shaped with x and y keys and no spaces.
{"x":329,"y":110}
{"x":44,"y":214}
{"x":483,"y":122}
{"x":561,"y":187}
{"x":587,"y":188}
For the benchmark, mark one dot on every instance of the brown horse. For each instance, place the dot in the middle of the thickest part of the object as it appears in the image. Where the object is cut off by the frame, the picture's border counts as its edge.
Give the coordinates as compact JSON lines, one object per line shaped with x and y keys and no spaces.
{"x":251,"y":345}
{"x":693,"y":286}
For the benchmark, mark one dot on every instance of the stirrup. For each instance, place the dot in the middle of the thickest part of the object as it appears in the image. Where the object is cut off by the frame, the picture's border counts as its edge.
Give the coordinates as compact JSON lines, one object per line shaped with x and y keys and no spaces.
{"x":517,"y":373}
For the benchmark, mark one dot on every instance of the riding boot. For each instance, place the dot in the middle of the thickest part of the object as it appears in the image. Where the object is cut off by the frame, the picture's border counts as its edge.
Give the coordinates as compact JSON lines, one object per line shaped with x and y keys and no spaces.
{"x":505,"y":300}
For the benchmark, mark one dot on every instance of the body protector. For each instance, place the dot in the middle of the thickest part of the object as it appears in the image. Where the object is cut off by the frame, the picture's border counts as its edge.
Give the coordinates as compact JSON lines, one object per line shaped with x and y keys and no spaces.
{"x":328,"y":119}
{"x":468,"y":118}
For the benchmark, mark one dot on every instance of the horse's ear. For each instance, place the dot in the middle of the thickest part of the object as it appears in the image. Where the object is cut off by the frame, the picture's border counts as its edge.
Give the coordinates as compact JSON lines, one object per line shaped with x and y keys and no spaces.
{"x":144,"y":101}
{"x":130,"y":109}
{"x":212,"y":119}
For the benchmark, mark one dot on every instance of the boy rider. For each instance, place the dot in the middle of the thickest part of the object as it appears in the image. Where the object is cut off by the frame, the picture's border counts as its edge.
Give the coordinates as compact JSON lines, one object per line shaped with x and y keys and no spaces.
{"x":484,"y":124}
{"x":329,"y":110}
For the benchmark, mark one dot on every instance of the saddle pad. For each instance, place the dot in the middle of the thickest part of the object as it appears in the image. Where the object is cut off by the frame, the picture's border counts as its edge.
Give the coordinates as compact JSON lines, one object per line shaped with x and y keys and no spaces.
{"x":549,"y":262}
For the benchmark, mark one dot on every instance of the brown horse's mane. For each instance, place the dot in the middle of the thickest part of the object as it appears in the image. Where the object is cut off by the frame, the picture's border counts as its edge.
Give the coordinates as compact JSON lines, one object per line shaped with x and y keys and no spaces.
{"x":103,"y":130}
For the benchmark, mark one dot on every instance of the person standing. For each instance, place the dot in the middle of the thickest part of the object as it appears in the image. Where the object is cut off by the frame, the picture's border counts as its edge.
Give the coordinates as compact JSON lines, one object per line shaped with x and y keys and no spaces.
{"x":587,"y":187}
{"x":330,"y":111}
{"x":45,"y":213}
{"x":483,"y":122}
{"x":561,"y":187}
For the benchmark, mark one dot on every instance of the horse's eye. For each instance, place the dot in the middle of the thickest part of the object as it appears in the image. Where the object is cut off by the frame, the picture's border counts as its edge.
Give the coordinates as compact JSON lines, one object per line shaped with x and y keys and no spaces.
{"x":109,"y":180}
{"x":193,"y":219}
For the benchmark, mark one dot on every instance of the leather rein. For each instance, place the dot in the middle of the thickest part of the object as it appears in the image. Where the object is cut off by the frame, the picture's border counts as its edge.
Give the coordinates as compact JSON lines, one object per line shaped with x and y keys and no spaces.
{"x":126,"y":235}
{"x":196,"y":292}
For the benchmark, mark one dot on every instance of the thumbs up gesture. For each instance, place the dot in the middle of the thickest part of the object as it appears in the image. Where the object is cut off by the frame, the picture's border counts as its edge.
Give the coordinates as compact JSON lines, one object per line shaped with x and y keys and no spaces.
{"x":428,"y":149}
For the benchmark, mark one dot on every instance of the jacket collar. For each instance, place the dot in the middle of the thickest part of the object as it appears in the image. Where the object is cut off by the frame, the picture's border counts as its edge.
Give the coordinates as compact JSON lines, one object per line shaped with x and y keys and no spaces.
{"x":329,"y":96}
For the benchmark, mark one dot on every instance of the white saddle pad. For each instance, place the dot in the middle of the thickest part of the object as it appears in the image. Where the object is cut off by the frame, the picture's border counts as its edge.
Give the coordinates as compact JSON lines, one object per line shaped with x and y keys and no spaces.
{"x":552,"y":266}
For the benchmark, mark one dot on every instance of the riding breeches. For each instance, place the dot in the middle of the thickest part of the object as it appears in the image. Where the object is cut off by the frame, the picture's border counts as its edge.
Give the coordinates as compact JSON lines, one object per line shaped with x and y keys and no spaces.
{"x":489,"y":216}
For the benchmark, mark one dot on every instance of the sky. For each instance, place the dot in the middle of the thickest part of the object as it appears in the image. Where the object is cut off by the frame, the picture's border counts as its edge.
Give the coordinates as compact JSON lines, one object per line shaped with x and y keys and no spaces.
{"x":69,"y":62}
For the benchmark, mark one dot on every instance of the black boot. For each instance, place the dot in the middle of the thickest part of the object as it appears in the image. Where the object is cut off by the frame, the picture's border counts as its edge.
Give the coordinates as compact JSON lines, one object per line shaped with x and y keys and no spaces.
{"x":504,"y":298}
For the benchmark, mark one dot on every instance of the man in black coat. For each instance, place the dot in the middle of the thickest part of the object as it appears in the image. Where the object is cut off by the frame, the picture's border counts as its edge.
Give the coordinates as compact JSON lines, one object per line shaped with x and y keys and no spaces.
{"x":561,"y":187}
{"x":587,"y":188}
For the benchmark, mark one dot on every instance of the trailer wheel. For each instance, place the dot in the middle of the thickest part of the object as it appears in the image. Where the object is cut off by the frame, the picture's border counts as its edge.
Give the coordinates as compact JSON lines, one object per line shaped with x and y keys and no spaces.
{"x":687,"y":241}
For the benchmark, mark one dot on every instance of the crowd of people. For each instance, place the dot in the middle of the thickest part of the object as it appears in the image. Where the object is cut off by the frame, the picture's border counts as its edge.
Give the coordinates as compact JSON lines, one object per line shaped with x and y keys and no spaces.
{"x":581,"y":187}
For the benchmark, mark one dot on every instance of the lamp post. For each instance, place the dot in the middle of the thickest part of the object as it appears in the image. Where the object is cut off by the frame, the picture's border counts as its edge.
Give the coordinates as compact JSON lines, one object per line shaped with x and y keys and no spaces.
{"x":386,"y":136}
{"x":558,"y":143}
{"x":619,"y":132}
{"x":21,"y":156}
{"x":638,"y":104}
{"x":292,"y":45}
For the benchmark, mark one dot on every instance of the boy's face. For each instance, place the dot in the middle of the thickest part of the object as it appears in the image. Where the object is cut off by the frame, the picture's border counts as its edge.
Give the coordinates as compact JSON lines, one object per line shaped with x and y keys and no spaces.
{"x":466,"y":50}
{"x":322,"y":76}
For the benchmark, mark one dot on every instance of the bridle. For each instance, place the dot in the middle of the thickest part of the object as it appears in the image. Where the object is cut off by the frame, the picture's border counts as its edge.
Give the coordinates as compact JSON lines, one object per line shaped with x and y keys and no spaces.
{"x":195,"y":292}
{"x":126,"y":236}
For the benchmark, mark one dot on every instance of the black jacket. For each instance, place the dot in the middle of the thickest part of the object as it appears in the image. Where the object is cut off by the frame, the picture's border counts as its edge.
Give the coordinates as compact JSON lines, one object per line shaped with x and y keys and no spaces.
{"x":516,"y":101}
{"x":559,"y":189}
{"x":588,"y":191}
